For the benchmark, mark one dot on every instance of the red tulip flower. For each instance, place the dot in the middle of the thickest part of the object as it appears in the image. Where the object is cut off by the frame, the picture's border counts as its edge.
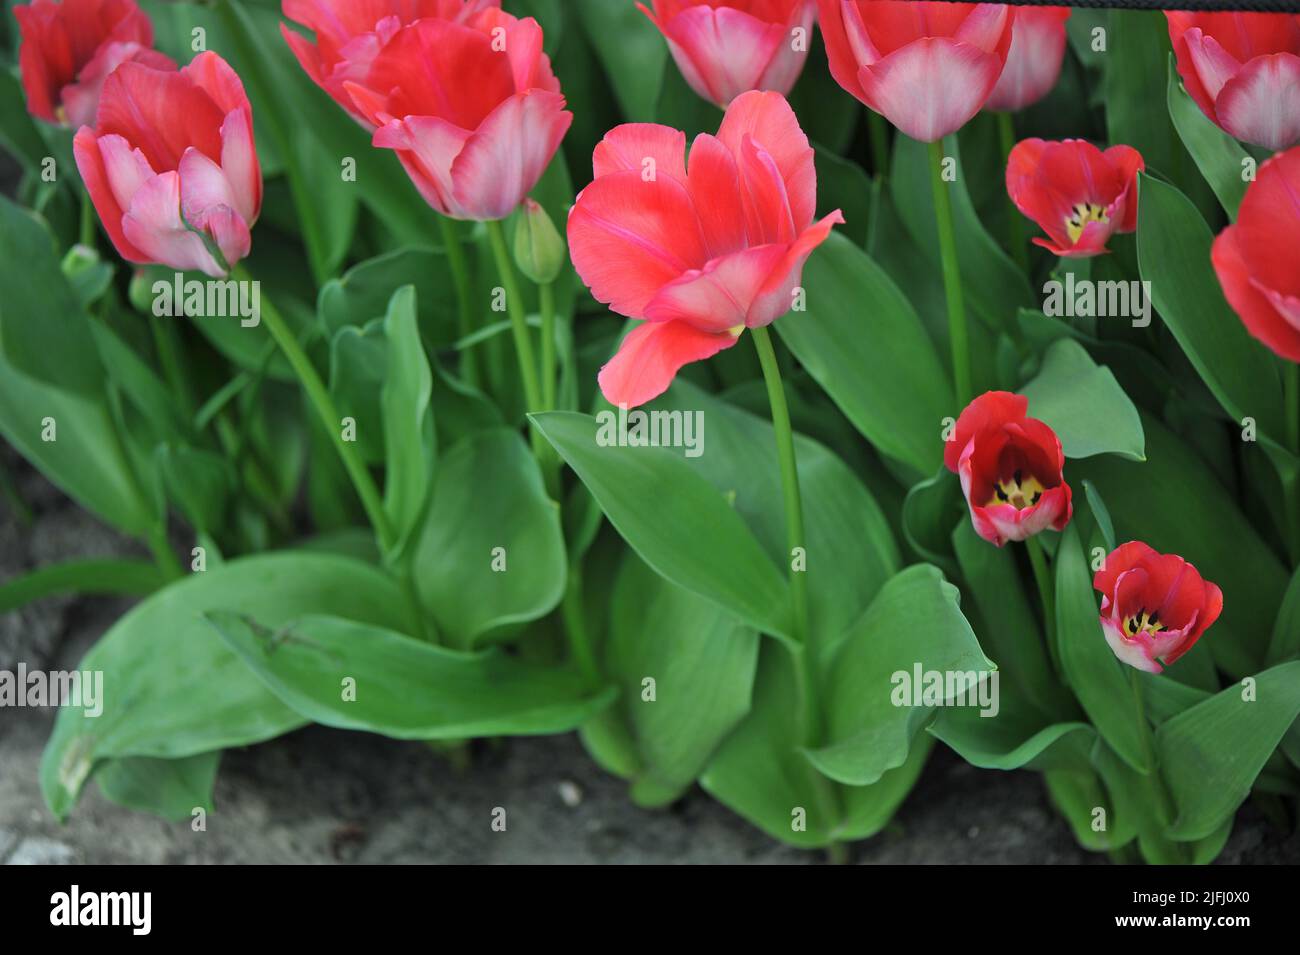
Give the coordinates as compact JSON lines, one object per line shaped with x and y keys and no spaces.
{"x":171,"y":162}
{"x":728,"y":47}
{"x":472,"y":109}
{"x":1080,"y":195}
{"x":700,"y":250}
{"x":1034,"y":63}
{"x":1010,"y":469}
{"x":68,"y":50}
{"x":1243,"y":70}
{"x":926,"y":67}
{"x":1154,"y":606}
{"x":1258,"y":258}
{"x":350,"y":34}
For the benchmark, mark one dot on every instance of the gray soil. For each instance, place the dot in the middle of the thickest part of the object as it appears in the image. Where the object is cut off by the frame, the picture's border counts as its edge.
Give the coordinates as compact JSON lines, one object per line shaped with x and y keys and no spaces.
{"x":320,"y":795}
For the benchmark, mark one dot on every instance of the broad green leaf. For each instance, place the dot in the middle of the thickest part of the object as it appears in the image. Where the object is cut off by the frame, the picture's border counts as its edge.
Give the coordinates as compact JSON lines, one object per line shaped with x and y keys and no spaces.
{"x":850,"y":549}
{"x":408,"y":425}
{"x":1101,"y":514}
{"x":843,"y":185}
{"x":632,"y":51}
{"x":1164,"y":502}
{"x":1091,"y":669}
{"x":1211,"y":753}
{"x":1077,"y":795}
{"x":1013,"y":634}
{"x":863,"y":343}
{"x":1174,"y":255}
{"x":1221,"y":159}
{"x":760,"y":773}
{"x":1135,"y":95}
{"x":489,"y":552}
{"x":404,"y":688}
{"x":674,"y":519}
{"x":170,"y":788}
{"x":1285,"y":644}
{"x":930,"y":510}
{"x":702,"y":665}
{"x":199,"y":482}
{"x":43,"y":331}
{"x":139,"y":383}
{"x":358,"y":369}
{"x":73,"y":441}
{"x":188,"y":694}
{"x":868,"y":809}
{"x":1084,"y":405}
{"x":18,"y":131}
{"x":334,"y":200}
{"x":1140,"y":805}
{"x":998,"y":743}
{"x":363,"y":293}
{"x":878,"y":692}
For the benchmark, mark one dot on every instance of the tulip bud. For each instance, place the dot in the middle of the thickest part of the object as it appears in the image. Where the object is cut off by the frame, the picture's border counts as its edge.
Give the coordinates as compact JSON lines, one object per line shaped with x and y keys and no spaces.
{"x":140,"y":291}
{"x":539,"y":250}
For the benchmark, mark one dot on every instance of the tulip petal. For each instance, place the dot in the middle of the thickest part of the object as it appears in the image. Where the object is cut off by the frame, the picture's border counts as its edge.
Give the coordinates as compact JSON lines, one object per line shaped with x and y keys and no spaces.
{"x":627,"y":147}
{"x":713,"y":180}
{"x":153,"y":225}
{"x":629,"y":237}
{"x":763,"y":196}
{"x":1261,"y":104}
{"x":930,"y":87}
{"x":128,"y":175}
{"x":1213,"y":64}
{"x":1256,"y":312}
{"x":650,"y":357}
{"x":722,"y":52}
{"x":426,"y":146}
{"x":161,"y":113}
{"x":777,"y":295}
{"x":508,"y":153}
{"x":989,"y":411}
{"x":239,"y":163}
{"x":717,"y":297}
{"x":1128,"y":651}
{"x":772,"y":124}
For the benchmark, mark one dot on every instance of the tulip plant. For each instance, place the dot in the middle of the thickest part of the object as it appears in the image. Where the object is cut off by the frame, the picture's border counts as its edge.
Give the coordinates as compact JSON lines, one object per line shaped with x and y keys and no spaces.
{"x":766,"y":390}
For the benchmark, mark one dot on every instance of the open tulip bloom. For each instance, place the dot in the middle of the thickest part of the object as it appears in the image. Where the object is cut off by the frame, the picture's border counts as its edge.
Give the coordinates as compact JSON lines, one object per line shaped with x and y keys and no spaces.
{"x":698,"y":250}
{"x":1077,"y":193}
{"x":1154,"y":607}
{"x":446,"y":305}
{"x":1010,"y":469}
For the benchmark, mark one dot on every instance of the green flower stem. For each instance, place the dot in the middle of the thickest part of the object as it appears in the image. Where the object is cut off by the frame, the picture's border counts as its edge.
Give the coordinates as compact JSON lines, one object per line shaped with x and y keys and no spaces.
{"x":957,"y":332}
{"x":1155,"y":781}
{"x":1016,"y":224}
{"x":168,"y":346}
{"x":1046,"y":594}
{"x":878,"y":131}
{"x":546,"y":295}
{"x":518,"y":321}
{"x":575,"y":627}
{"x":162,"y":552}
{"x":320,"y":398}
{"x":800,"y":655}
{"x":86,"y":236}
{"x":460,"y":277}
{"x":789,"y":476}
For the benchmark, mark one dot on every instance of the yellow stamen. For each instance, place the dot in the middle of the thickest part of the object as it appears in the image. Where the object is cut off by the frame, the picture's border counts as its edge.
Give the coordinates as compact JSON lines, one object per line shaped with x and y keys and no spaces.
{"x":1142,"y":622}
{"x":735,"y":330}
{"x":1081,"y":215}
{"x":1019,"y":490}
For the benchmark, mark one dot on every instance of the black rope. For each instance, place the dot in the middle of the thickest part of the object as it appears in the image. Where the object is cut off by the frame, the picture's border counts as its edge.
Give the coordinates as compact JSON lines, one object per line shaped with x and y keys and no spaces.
{"x":1256,"y":6}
